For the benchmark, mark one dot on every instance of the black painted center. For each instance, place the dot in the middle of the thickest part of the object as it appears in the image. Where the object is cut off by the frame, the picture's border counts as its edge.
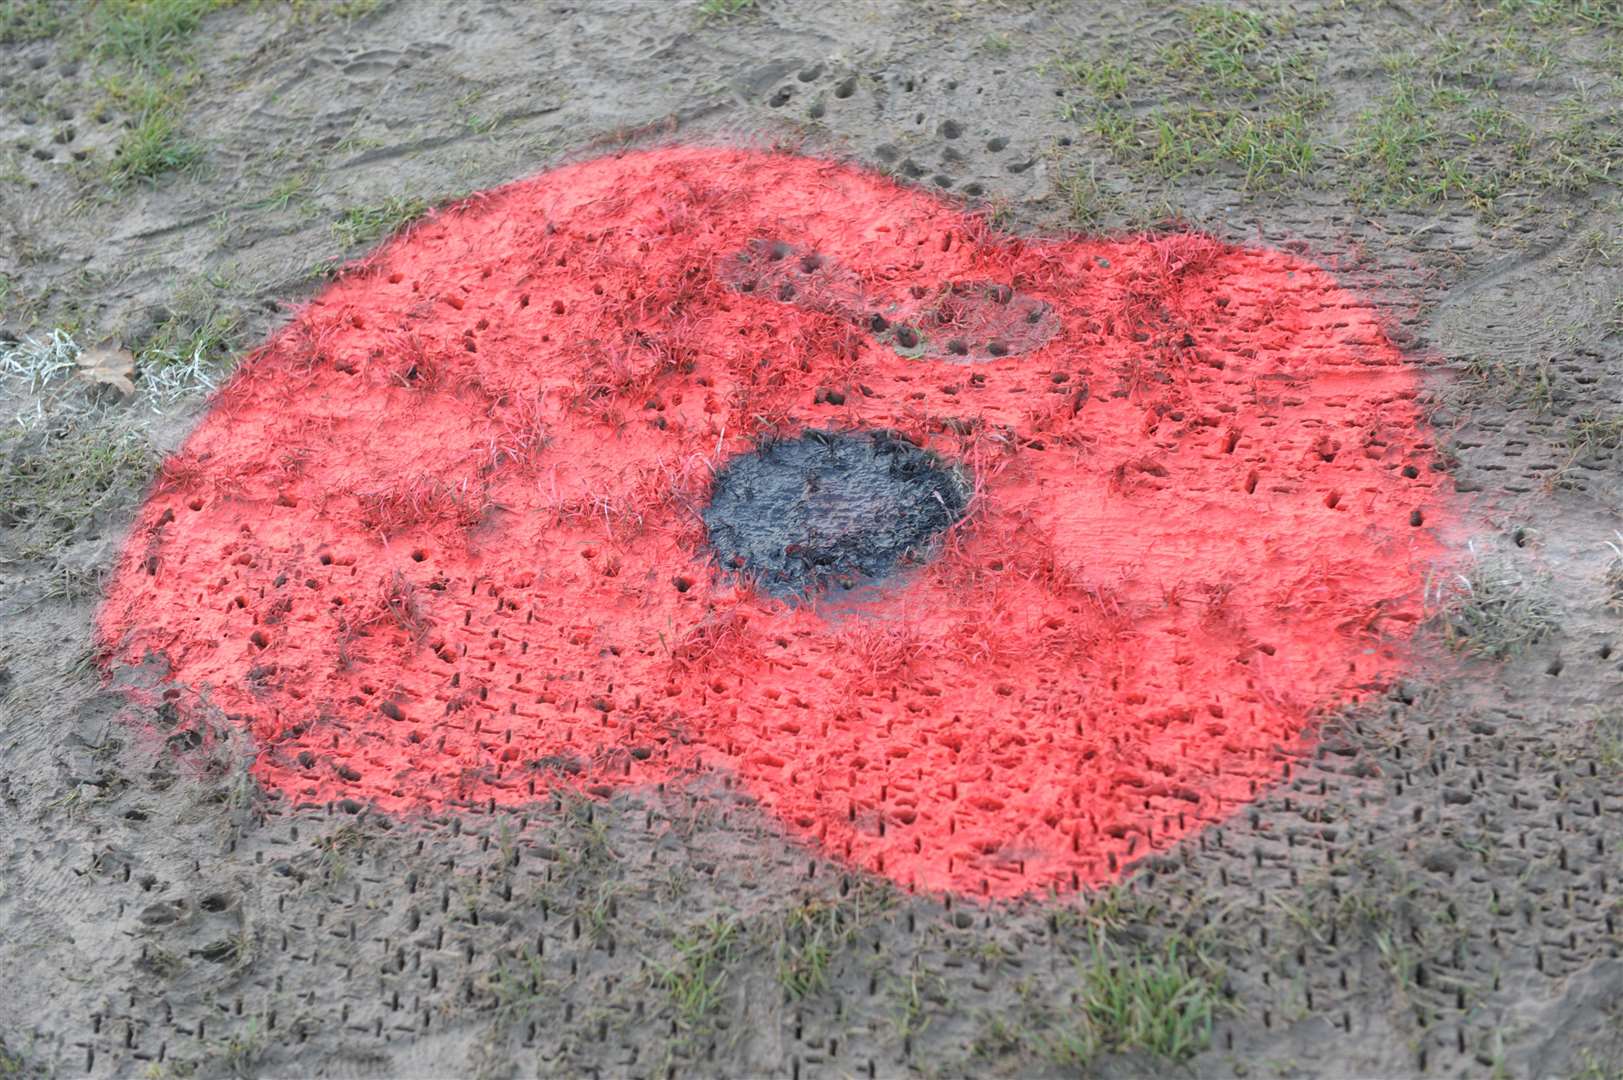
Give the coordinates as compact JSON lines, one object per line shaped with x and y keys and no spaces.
{"x":826,"y":507}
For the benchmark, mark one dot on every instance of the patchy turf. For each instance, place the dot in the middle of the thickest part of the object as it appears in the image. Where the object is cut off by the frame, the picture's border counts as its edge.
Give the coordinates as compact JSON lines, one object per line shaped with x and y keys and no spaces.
{"x":1435,"y":890}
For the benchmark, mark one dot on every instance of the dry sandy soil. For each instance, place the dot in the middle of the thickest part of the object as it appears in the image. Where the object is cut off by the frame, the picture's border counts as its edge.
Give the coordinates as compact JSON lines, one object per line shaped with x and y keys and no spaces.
{"x":1436,"y":890}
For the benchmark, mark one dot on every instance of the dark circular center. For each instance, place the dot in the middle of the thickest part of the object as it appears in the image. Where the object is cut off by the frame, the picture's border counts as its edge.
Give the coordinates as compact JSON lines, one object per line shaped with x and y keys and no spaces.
{"x":836,"y":507}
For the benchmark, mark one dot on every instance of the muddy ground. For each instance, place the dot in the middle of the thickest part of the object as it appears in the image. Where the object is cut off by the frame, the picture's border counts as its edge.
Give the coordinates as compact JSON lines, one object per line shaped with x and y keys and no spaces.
{"x":1437,"y":890}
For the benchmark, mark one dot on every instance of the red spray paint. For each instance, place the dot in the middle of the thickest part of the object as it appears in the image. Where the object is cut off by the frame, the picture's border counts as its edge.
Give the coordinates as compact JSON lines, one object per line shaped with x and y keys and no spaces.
{"x":438,"y":543}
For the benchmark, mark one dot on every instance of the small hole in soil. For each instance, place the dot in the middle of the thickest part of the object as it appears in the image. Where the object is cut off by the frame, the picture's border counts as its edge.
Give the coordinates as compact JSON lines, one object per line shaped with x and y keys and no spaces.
{"x":957,"y":347}
{"x":951,"y":129}
{"x":996,"y":144}
{"x":846,"y":88}
{"x":419,"y":555}
{"x":326,"y":559}
{"x":786,"y":291}
{"x":1416,"y":518}
{"x":907,"y":337}
{"x":1555,"y":667}
{"x":810,"y":264}
{"x":998,"y":348}
{"x":683,"y":584}
{"x":878,"y":323}
{"x":259,"y":639}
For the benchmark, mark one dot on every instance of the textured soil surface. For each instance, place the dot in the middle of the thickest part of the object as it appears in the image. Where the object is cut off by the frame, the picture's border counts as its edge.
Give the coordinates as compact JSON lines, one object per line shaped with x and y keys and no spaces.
{"x":1436,"y":888}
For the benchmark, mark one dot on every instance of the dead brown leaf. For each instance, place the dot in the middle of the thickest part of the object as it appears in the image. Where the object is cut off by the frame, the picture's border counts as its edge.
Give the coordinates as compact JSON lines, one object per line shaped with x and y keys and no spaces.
{"x":109,"y":364}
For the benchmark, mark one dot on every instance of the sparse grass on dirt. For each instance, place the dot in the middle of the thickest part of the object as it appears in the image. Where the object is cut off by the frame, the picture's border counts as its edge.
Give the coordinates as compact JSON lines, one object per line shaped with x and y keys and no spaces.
{"x":194,"y":346}
{"x":810,"y":938}
{"x":698,"y":978}
{"x":1238,"y":93}
{"x":521,"y":982}
{"x":1496,"y":610}
{"x":1427,"y":142}
{"x":1254,"y":100}
{"x":1605,"y":742}
{"x":362,"y":225}
{"x":1612,"y":583}
{"x":724,"y":9}
{"x":1604,"y":14}
{"x":55,"y":479}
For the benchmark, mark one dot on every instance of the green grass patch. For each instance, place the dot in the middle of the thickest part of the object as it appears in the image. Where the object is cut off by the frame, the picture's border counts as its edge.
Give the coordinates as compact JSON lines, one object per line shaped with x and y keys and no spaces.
{"x":1230,"y":94}
{"x":1159,"y":1001}
{"x":697,"y":981}
{"x":1425,"y":143}
{"x":141,"y":49}
{"x":1229,"y":49}
{"x":151,"y":148}
{"x":152,"y":143}
{"x":147,"y":33}
{"x":365,"y":224}
{"x":1582,"y":14}
{"x":29,"y":20}
{"x":1265,"y":147}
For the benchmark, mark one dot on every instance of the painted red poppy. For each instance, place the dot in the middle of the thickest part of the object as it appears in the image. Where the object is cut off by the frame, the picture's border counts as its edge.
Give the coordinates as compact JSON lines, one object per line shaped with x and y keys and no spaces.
{"x":990,"y":564}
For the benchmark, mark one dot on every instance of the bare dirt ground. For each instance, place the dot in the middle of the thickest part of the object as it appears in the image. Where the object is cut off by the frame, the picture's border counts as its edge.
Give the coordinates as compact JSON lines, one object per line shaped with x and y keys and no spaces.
{"x":1438,"y":890}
